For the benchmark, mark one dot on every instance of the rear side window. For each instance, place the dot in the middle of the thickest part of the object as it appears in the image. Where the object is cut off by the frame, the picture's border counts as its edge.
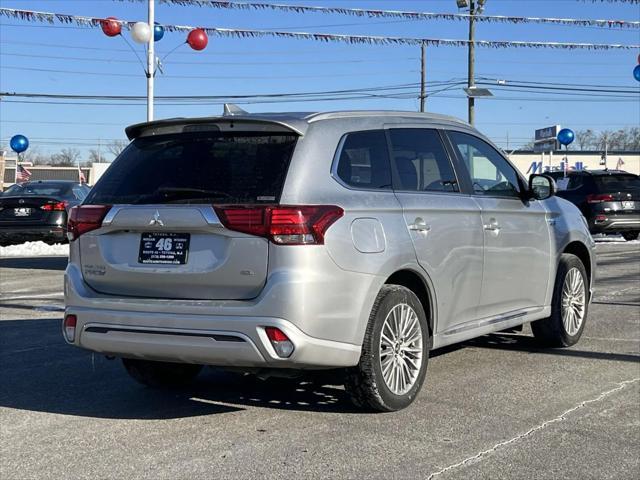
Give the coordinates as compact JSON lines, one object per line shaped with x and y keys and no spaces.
{"x":421,"y":161}
{"x":198,"y":167}
{"x":575,"y":181}
{"x":364,"y":160}
{"x":617,"y":183}
{"x":80,"y":192}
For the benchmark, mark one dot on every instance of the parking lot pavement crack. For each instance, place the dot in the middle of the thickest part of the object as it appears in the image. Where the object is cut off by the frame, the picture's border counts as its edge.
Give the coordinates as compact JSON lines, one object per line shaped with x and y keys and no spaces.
{"x":537,"y":428}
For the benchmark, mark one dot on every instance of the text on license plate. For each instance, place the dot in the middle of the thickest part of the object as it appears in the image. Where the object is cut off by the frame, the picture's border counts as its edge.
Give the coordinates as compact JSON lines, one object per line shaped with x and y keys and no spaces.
{"x":21,"y":212}
{"x":164,"y":248}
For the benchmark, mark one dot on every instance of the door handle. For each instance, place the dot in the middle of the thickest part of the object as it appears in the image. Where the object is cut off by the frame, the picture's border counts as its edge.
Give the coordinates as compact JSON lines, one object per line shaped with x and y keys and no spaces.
{"x":492,"y":226}
{"x":418,"y":225}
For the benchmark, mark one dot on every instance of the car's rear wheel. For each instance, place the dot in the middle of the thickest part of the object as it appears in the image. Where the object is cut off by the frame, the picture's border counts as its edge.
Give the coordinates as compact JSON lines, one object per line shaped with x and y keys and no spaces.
{"x":161,"y":374}
{"x":569,"y":305}
{"x":395,"y":352}
{"x":630,"y":235}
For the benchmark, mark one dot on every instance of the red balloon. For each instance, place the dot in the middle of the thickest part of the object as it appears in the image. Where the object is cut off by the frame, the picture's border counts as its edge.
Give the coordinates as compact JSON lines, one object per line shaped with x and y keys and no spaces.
{"x":197,"y":39}
{"x":111,"y":26}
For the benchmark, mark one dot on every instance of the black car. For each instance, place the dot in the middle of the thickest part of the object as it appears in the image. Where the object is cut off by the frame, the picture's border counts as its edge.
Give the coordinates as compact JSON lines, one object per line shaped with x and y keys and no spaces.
{"x":609,"y":199}
{"x":38,"y":210}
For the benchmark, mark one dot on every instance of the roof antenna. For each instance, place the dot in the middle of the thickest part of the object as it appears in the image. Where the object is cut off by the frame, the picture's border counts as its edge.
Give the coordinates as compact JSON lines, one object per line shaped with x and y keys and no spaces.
{"x":231,"y":109}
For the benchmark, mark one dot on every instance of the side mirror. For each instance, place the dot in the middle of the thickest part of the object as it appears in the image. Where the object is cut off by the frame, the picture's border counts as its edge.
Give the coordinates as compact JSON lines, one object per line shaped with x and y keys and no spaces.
{"x":541,"y":187}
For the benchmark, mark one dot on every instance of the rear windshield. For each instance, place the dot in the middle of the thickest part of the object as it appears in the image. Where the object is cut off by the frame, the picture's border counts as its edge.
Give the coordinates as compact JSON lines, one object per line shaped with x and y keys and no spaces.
{"x":617,"y":183}
{"x":198,"y":168}
{"x":38,"y":190}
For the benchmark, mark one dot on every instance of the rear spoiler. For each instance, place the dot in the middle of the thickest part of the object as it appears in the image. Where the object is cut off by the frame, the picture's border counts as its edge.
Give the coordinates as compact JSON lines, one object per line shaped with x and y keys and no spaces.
{"x":222,"y":123}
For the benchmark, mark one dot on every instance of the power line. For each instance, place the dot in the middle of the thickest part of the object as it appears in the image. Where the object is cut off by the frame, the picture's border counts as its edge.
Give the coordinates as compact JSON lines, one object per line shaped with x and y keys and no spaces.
{"x":204,"y":77}
{"x":293,"y":52}
{"x":174,"y":62}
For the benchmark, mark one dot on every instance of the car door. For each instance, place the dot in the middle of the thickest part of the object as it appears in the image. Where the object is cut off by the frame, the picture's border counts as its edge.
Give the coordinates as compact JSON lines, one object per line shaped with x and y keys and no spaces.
{"x":517,"y":243}
{"x":444,"y":224}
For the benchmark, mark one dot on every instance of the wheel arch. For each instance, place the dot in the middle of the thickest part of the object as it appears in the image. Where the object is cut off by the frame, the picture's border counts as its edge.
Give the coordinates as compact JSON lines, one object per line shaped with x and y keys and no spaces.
{"x":581,"y":251}
{"x":416,"y":283}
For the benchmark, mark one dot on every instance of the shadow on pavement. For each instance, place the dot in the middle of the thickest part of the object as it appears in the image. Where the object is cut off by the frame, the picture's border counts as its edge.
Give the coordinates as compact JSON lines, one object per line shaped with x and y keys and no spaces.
{"x":525,"y":343}
{"x":35,"y":263}
{"x":40,"y":372}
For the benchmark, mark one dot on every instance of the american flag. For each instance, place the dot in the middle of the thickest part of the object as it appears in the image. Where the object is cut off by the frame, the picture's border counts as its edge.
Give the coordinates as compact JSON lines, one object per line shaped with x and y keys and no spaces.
{"x":22,"y":174}
{"x":81,"y":177}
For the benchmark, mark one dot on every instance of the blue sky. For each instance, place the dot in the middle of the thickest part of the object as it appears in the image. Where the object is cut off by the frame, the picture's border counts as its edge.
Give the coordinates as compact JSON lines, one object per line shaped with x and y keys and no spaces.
{"x":102,"y":65}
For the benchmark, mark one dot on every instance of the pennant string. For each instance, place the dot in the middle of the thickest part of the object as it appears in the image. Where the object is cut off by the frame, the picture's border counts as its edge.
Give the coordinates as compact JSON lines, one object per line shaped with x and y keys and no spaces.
{"x":360,"y":12}
{"x":94,"y":22}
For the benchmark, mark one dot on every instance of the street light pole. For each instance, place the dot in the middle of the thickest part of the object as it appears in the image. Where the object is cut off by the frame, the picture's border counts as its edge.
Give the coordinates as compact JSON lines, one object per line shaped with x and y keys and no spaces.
{"x":471,"y":60}
{"x":151,"y":61}
{"x":423,"y":74}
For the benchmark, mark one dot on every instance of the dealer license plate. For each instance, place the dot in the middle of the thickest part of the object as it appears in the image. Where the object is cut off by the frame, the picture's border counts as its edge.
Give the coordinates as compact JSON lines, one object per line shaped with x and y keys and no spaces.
{"x":164,"y":248}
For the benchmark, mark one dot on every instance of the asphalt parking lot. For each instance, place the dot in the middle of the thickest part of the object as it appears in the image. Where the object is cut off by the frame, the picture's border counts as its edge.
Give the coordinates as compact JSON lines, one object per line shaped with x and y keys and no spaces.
{"x":496,"y":407}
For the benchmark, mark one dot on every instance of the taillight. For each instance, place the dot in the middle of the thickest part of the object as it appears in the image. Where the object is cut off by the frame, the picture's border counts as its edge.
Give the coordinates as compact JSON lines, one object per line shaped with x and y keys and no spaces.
{"x":69,"y":327}
{"x":280,"y":342}
{"x":54,"y":207}
{"x":84,"y":218}
{"x":599,"y":197}
{"x":284,"y":225}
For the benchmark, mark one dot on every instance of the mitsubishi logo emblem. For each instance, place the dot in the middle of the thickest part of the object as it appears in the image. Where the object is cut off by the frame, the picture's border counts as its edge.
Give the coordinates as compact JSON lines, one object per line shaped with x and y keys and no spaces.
{"x":156,"y":220}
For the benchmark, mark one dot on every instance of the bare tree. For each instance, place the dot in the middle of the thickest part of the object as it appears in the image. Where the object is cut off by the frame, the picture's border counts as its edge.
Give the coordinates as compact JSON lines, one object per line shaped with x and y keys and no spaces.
{"x":96,"y":156}
{"x":116,"y":147}
{"x":585,"y":139}
{"x":67,"y":157}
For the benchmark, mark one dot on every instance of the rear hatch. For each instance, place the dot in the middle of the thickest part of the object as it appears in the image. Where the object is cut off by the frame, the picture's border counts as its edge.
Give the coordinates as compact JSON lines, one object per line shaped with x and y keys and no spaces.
{"x":29,"y":210}
{"x":161,"y":236}
{"x":617,"y":193}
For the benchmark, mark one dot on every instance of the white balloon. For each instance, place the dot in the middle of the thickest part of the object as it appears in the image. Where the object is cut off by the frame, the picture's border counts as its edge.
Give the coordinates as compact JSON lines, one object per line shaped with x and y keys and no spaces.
{"x":140,"y":32}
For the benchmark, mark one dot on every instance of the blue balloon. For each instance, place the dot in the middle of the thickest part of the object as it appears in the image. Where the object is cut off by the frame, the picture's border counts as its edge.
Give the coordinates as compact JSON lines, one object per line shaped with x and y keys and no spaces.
{"x":636,"y":73}
{"x":158,"y":32}
{"x":566,"y":136}
{"x":19,"y":143}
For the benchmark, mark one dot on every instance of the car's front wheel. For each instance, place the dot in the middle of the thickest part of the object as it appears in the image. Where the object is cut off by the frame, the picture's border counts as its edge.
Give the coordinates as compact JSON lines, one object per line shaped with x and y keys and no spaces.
{"x":395,"y":351}
{"x":630,"y":235}
{"x":568,"y":307}
{"x":161,"y":374}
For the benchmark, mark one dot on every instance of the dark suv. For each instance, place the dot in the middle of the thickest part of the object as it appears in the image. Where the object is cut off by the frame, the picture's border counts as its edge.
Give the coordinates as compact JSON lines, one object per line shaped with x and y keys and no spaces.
{"x":609,"y":199}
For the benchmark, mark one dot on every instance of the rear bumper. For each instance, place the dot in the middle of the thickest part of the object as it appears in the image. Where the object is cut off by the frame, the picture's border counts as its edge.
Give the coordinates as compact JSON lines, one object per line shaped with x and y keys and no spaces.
{"x":207,"y":340}
{"x":324,"y":325}
{"x":615,"y":224}
{"x":16,"y":233}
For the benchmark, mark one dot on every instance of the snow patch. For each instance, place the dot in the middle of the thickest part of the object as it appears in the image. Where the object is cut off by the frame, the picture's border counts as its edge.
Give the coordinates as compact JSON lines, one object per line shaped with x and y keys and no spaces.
{"x":601,"y":238}
{"x":35,"y":249}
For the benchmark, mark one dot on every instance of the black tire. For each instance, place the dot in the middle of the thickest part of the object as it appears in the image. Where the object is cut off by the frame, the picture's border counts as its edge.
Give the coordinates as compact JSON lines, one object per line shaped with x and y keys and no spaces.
{"x":161,"y":374}
{"x":628,"y":236}
{"x":551,"y":332}
{"x":365,"y":383}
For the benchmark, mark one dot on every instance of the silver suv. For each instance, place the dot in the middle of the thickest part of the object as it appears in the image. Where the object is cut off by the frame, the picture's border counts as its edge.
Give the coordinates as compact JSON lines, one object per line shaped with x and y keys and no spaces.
{"x":356,"y":241}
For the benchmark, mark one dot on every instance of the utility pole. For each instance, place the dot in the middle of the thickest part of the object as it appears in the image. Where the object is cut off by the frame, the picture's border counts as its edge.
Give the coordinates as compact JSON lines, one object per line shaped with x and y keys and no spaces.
{"x":151,"y":70}
{"x":471,"y":60}
{"x":423,"y":75}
